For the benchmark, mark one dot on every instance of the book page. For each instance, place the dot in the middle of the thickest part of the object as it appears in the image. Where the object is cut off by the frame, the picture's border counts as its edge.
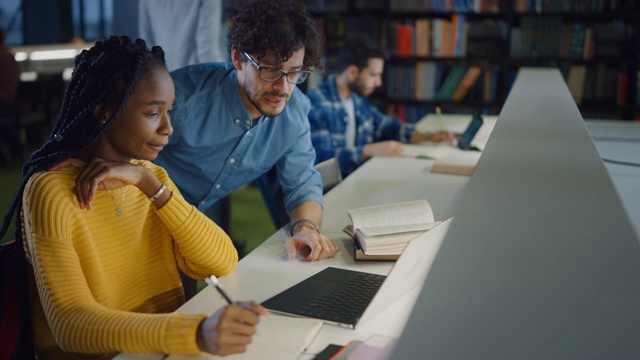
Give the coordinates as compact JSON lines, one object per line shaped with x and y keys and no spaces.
{"x":396,"y":229}
{"x":392,"y":218}
{"x":277,"y":338}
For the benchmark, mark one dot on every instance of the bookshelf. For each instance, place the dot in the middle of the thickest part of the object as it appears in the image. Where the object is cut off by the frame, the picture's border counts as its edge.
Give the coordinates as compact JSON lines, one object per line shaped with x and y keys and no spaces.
{"x":594,"y":43}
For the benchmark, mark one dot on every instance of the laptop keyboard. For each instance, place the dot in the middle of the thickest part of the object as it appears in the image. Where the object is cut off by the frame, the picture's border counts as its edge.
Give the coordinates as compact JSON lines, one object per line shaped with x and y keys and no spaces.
{"x":347,"y":302}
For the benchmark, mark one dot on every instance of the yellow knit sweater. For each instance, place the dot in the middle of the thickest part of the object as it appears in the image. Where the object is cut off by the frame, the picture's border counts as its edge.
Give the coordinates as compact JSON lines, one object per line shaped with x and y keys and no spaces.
{"x":104,"y":283}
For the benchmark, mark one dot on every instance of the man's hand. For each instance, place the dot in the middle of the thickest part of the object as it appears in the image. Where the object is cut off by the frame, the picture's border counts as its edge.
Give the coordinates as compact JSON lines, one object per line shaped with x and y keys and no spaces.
{"x":230,"y":329}
{"x":442,"y":135}
{"x":382,"y":148}
{"x":438,"y":136}
{"x":308,"y":240}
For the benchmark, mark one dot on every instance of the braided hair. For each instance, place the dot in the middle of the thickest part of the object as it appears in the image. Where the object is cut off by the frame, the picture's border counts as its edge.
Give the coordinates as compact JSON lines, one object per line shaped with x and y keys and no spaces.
{"x":103,"y":79}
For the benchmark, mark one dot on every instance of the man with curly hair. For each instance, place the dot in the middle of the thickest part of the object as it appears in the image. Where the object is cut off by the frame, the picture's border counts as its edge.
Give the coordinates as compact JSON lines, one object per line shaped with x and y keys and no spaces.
{"x":234,"y":121}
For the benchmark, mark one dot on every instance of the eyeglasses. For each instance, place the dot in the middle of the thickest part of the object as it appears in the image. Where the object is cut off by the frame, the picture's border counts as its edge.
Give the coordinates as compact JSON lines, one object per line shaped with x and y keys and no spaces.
{"x":273,"y":74}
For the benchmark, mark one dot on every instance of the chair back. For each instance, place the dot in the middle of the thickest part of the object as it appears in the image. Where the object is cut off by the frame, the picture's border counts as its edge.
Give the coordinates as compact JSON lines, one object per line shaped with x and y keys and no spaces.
{"x":330,"y":173}
{"x":11,"y":308}
{"x":273,"y":195}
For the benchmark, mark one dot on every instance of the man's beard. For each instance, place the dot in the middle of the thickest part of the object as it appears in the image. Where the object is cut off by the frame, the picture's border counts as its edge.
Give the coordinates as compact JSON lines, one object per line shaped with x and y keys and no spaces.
{"x":265,"y":112}
{"x":354,"y":87}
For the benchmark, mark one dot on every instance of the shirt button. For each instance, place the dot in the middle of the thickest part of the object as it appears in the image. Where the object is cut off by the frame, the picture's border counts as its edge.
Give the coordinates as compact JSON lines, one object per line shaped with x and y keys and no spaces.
{"x":248,"y":122}
{"x":237,"y":121}
{"x":202,"y":202}
{"x":218,"y":186}
{"x":232,"y":160}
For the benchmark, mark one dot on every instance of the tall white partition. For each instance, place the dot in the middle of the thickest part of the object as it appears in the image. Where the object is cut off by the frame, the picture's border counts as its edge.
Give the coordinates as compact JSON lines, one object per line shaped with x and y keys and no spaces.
{"x":541,"y":261}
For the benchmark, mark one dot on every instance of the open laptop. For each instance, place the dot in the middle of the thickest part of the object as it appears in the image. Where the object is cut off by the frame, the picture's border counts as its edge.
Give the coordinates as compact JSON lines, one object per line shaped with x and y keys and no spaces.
{"x":342,"y":297}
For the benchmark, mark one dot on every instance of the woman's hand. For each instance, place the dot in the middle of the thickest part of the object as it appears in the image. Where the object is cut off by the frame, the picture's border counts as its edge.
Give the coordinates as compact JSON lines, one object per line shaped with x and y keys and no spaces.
{"x":230,"y":329}
{"x":101,"y":174}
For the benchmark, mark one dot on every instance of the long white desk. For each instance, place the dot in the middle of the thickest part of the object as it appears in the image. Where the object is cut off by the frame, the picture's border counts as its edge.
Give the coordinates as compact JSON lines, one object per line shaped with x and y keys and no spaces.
{"x":619,"y":141}
{"x":265,"y":271}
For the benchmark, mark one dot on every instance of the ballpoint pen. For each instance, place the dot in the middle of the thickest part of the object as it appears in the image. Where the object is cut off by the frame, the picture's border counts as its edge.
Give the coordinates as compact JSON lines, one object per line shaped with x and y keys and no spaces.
{"x":213,"y":281}
{"x":438,"y":113}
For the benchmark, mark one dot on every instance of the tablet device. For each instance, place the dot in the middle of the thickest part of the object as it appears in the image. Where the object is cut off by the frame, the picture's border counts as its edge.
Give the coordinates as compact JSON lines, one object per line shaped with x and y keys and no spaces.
{"x":464,"y":142}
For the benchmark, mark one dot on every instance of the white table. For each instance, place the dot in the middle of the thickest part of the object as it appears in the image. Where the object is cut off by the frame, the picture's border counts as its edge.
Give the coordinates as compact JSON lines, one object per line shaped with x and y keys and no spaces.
{"x":620,"y":141}
{"x":266,"y":270}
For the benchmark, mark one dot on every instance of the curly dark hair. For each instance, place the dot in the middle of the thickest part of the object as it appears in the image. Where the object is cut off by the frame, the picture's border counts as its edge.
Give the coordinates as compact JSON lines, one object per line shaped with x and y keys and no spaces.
{"x":276,"y":26}
{"x":104,"y":77}
{"x":358,"y":48}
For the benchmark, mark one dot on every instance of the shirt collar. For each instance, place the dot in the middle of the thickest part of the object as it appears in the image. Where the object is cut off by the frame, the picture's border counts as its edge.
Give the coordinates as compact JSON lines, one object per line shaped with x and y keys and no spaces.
{"x":231,"y":93}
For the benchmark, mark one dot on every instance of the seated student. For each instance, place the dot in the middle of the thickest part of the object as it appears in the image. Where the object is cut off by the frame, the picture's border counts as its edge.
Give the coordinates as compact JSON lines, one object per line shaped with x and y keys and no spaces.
{"x":345,"y":124}
{"x":102,"y":234}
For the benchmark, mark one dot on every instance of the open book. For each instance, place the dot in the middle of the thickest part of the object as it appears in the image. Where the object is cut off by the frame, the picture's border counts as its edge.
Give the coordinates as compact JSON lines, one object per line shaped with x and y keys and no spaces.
{"x":386,"y":229}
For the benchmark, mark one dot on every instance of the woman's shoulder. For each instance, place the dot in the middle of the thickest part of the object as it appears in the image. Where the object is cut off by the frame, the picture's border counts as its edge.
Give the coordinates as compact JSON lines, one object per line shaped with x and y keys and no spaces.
{"x":49,"y":186}
{"x":54,"y":178}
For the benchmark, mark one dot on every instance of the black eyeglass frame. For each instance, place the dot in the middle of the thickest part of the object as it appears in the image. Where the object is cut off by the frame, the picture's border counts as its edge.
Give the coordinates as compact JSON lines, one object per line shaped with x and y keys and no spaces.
{"x":303,"y":74}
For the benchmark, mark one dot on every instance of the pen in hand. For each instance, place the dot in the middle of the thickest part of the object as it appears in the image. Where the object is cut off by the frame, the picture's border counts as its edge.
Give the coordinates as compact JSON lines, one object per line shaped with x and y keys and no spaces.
{"x":213,"y":281}
{"x":438,"y":113}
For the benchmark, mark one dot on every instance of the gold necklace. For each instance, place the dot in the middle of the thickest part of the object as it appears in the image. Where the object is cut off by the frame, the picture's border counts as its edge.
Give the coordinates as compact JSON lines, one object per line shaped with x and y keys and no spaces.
{"x":118,"y":209}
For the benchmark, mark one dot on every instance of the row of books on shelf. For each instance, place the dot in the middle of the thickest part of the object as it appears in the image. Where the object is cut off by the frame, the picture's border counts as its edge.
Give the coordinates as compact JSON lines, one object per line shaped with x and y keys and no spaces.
{"x":599,"y":83}
{"x":541,"y":6}
{"x":413,"y":112}
{"x":410,"y":113}
{"x":477,"y":6}
{"x":429,"y":37}
{"x":551,"y":37}
{"x":443,"y":37}
{"x":431,"y":80}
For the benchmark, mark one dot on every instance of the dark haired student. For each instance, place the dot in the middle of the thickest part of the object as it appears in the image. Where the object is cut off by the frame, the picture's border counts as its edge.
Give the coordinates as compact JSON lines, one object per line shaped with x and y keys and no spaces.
{"x":102,"y":234}
{"x":235,"y":121}
{"x":345,"y":124}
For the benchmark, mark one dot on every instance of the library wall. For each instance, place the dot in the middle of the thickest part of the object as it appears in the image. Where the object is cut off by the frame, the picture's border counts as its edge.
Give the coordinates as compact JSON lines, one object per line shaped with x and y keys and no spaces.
{"x":462,"y":55}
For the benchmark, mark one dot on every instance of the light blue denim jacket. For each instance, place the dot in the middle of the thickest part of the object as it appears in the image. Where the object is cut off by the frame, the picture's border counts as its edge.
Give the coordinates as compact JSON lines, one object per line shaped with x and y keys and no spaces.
{"x":216,"y":148}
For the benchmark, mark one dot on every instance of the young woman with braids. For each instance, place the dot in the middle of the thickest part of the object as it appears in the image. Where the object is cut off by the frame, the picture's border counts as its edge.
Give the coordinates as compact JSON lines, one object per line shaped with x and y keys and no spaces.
{"x":102,"y":232}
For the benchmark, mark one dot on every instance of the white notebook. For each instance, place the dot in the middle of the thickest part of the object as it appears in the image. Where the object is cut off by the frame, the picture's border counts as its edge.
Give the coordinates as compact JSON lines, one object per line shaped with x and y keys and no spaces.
{"x":277,"y":338}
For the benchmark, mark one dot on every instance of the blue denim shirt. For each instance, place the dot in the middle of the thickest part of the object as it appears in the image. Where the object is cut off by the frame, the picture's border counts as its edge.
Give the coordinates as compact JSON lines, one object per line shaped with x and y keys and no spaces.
{"x":328,"y":119}
{"x":216,"y":147}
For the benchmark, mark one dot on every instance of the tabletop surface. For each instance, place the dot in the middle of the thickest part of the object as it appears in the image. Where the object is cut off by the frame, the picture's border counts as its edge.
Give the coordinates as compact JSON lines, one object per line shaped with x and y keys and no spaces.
{"x":266,"y":270}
